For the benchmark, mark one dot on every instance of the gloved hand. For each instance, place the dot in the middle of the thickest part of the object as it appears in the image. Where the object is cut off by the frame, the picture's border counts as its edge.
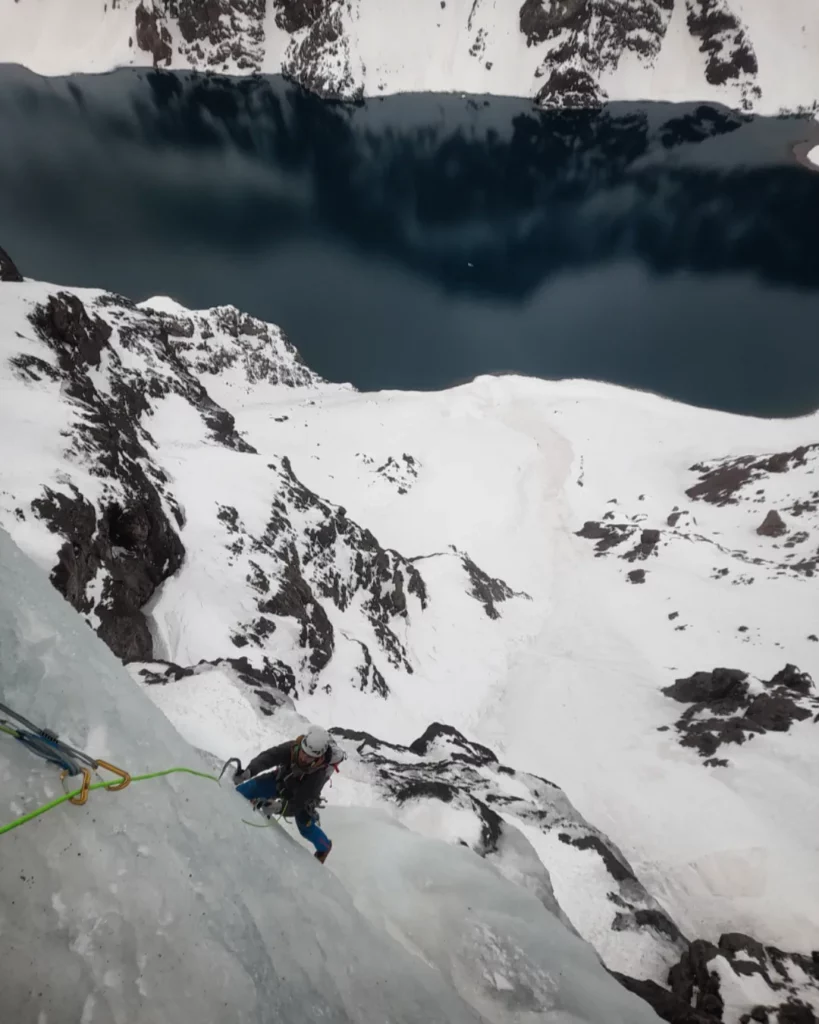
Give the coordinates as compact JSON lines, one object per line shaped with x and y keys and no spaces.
{"x":271,"y":808}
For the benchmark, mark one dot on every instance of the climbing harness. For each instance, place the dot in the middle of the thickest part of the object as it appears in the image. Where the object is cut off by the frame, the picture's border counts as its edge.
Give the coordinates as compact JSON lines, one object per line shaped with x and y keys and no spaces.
{"x":48,"y":745}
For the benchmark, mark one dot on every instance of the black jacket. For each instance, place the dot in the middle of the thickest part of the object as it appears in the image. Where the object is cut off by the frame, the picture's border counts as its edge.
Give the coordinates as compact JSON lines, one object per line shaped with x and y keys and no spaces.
{"x":300,"y":787}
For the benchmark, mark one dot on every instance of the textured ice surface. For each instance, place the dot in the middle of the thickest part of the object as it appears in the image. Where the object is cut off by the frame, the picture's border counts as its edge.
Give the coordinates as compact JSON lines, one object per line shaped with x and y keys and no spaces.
{"x":158,"y":904}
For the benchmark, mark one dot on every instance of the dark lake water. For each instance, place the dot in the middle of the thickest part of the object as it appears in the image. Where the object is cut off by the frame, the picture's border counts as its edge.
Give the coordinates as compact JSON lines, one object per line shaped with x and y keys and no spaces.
{"x":417,"y":241}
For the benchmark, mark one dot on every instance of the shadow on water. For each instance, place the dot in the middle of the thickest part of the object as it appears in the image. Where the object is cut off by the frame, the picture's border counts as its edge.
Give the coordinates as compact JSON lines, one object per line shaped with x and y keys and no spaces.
{"x":417,"y":240}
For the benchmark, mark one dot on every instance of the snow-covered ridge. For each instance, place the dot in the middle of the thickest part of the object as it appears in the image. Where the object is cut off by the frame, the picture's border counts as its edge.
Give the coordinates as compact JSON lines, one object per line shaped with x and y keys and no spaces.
{"x":558,"y":571}
{"x":741,"y":52}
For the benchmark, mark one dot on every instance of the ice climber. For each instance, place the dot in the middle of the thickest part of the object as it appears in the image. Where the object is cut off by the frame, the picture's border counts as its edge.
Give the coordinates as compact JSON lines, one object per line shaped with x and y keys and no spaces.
{"x":288,"y":779}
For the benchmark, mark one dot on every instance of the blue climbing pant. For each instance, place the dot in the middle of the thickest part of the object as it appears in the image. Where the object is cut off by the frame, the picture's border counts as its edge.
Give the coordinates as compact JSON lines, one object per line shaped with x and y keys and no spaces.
{"x":263,"y":787}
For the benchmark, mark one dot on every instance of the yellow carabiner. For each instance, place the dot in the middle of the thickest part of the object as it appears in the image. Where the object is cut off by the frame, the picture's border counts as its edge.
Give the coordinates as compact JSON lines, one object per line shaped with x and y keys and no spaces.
{"x":86,"y":782}
{"x":126,"y":778}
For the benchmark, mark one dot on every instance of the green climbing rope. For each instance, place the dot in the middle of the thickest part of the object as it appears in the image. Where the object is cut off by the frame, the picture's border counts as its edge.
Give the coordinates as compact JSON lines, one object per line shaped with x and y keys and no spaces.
{"x":96,"y":785}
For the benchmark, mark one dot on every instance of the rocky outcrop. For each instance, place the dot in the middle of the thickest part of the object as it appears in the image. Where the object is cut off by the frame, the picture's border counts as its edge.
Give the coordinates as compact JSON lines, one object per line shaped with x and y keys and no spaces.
{"x":295,"y":577}
{"x":586,"y":39}
{"x":126,"y":544}
{"x":8,"y":271}
{"x":728,"y":707}
{"x":607,"y":535}
{"x":722,"y":38}
{"x":694,"y":995}
{"x":76,"y":338}
{"x":323,"y":45}
{"x":722,"y":482}
{"x":228,"y":340}
{"x":773,"y":525}
{"x":152,"y":36}
{"x":215,"y":34}
{"x":647,"y":546}
{"x":490,"y":592}
{"x":488,"y":798}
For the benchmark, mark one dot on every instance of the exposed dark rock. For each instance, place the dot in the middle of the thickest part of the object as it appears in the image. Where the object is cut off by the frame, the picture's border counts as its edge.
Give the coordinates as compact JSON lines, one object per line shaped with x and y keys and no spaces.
{"x":618,"y":870}
{"x":571,"y":89}
{"x":294,"y":15}
{"x":153,"y":37}
{"x":589,"y":37}
{"x":369,"y":674}
{"x":136,"y":549}
{"x":667,"y":1005}
{"x":320,"y":59}
{"x":77,"y":339}
{"x":658,"y":920}
{"x":705,"y":687}
{"x":275,"y":675}
{"x":729,"y":52}
{"x":637,"y":576}
{"x":432,"y":788}
{"x":79,"y":558}
{"x":723,"y":710}
{"x":365,"y":739}
{"x":772,"y":526}
{"x":649,"y":539}
{"x":732,"y":943}
{"x":607,"y":534}
{"x":792,"y":679}
{"x":295,"y":599}
{"x":647,"y":918}
{"x":401,"y":472}
{"x":263,"y":352}
{"x":476,"y":753}
{"x":29,"y":367}
{"x":721,"y":481}
{"x":212,"y":31}
{"x":8,"y":271}
{"x":795,"y":1013}
{"x":490,"y":592}
{"x":693,"y":982}
{"x":775,"y":714}
{"x":696,"y":998}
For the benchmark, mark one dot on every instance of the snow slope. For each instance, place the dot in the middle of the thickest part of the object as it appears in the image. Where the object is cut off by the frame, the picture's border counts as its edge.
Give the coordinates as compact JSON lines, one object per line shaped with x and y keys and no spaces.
{"x":742,"y":52}
{"x":158,"y":903}
{"x":581,"y":699}
{"x":539,"y":565}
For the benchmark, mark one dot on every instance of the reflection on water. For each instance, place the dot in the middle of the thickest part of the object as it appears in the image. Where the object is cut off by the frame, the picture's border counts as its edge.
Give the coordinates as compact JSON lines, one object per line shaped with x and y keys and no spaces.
{"x":418,"y":240}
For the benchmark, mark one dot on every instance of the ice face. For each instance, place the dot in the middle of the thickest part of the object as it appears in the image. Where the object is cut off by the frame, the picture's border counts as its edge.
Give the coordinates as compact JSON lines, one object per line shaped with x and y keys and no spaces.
{"x":158,"y":903}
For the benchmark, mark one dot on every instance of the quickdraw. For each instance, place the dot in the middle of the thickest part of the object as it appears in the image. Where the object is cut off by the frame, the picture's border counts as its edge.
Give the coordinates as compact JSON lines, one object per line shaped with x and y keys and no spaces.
{"x":45,"y":743}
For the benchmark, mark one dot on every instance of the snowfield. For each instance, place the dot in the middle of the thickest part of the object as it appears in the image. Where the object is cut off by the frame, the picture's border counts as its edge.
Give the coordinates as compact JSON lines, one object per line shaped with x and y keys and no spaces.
{"x":741,"y":52}
{"x":567,"y":626}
